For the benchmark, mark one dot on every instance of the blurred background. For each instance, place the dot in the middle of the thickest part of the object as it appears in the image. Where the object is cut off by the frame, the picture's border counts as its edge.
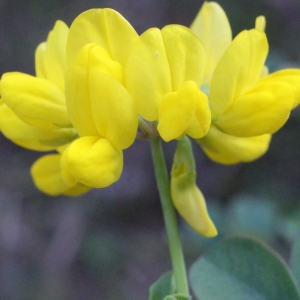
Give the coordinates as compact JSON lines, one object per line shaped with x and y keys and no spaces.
{"x":110,"y":243}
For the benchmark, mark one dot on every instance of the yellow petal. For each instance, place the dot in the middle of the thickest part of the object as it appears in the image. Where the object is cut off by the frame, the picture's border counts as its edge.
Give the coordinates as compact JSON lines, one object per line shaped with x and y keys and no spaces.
{"x":84,"y":83}
{"x":239,"y":69}
{"x":190,"y":203}
{"x":77,"y":190}
{"x":98,"y":104}
{"x":113,"y":110}
{"x":41,"y":66}
{"x":68,"y":178}
{"x":92,"y":56}
{"x":31,"y":137}
{"x":93,"y":161}
{"x":186,"y":55}
{"x":36,"y":100}
{"x":147,"y":73}
{"x":201,"y":120}
{"x":263,"y":110}
{"x":177,"y":110}
{"x":105,"y":27}
{"x":227,"y":149}
{"x":47,"y":177}
{"x":289,"y":76}
{"x":212,"y":27}
{"x":78,"y":102}
{"x":56,"y":53}
{"x":20,"y":132}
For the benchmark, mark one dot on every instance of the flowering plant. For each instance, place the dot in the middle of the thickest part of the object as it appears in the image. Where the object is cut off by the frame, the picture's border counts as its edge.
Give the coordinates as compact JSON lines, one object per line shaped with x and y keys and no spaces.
{"x":99,"y":86}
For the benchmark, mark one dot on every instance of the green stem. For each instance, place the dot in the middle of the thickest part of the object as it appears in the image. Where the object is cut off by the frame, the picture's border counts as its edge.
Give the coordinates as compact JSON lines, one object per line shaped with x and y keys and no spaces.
{"x":162,"y":178}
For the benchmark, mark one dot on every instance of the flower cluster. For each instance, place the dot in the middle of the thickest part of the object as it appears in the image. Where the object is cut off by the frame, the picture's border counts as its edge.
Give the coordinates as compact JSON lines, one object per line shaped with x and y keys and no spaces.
{"x":99,"y":85}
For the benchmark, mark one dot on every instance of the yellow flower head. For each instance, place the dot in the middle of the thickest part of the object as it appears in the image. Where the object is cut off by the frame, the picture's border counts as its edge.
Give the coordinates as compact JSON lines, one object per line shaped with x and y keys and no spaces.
{"x":97,"y":80}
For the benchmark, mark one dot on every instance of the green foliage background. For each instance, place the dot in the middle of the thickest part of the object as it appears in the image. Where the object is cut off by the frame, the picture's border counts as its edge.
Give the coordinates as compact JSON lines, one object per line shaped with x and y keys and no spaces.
{"x":110,"y":244}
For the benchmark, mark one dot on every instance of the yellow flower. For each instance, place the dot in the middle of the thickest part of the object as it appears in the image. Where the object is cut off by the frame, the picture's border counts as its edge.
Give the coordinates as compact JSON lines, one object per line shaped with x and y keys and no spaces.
{"x":163,"y":74}
{"x":247,"y":105}
{"x":243,"y":105}
{"x":186,"y":196}
{"x":34,"y":112}
{"x":100,"y":108}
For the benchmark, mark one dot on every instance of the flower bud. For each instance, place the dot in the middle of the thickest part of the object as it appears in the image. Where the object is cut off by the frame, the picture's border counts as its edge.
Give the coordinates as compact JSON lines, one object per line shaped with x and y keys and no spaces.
{"x":186,"y":196}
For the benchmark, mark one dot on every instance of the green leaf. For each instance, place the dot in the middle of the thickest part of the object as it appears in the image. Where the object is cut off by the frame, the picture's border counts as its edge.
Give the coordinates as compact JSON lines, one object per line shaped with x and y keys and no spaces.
{"x":242,"y":268}
{"x":251,"y":215}
{"x":162,"y":287}
{"x":295,"y":258}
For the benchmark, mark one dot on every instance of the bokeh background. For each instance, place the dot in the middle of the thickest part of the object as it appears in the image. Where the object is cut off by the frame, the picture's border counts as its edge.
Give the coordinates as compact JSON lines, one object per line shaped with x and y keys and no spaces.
{"x":111,"y":244}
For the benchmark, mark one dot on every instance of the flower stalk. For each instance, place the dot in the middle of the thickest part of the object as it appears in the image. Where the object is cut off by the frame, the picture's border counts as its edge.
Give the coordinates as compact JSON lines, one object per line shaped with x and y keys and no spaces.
{"x":169,"y":214}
